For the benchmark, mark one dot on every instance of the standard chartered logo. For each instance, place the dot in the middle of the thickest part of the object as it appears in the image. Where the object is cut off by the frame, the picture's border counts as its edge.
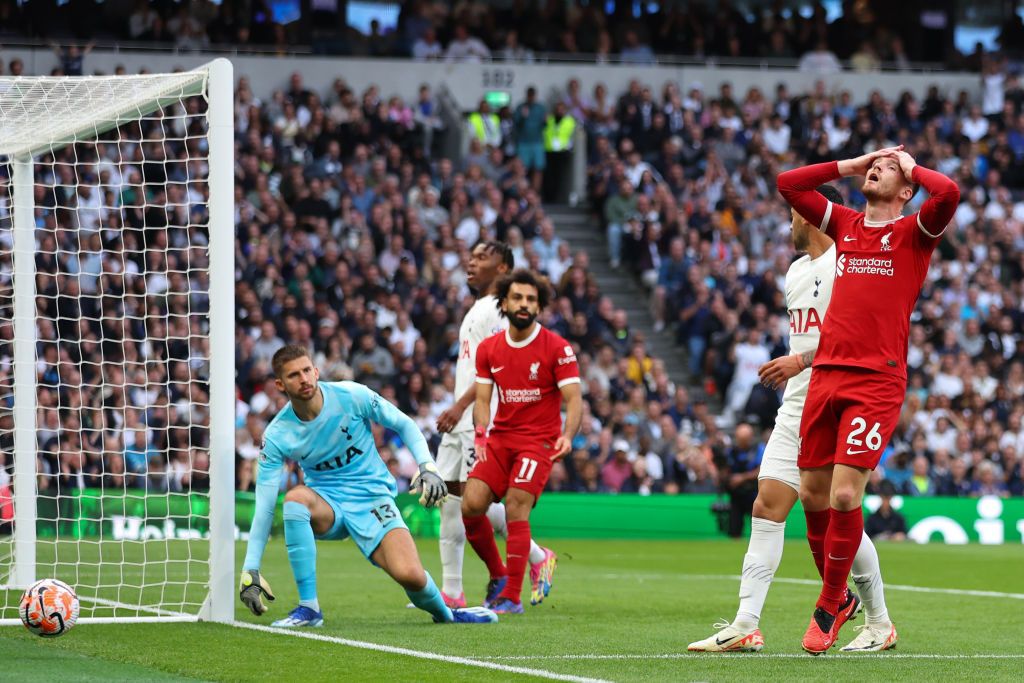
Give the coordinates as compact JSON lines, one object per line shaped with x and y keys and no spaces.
{"x":868,"y":265}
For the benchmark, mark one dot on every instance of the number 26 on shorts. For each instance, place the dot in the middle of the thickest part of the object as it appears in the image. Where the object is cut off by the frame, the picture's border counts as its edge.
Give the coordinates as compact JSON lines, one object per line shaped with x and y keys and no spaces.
{"x":873,"y":439}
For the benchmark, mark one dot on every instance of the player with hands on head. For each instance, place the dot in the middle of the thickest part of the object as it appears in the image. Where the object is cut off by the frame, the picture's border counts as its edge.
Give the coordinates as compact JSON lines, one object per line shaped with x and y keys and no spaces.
{"x":488,"y":262}
{"x":860,"y":368}
{"x":808,"y":291}
{"x":533,"y":371}
{"x":348,"y":491}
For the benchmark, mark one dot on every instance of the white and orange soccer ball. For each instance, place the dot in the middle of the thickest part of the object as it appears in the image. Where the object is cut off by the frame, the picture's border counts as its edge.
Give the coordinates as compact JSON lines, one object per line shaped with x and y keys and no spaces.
{"x":49,"y":608}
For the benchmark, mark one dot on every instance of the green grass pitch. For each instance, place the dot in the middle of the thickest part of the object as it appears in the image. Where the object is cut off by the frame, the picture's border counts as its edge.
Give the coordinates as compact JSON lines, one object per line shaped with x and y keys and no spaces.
{"x":619,"y":611}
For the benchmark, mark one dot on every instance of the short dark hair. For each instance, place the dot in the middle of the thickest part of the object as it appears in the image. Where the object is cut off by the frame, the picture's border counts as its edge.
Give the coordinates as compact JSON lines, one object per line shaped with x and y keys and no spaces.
{"x":832,"y":194}
{"x":501,"y":249}
{"x":287,"y":354}
{"x":524,"y":276}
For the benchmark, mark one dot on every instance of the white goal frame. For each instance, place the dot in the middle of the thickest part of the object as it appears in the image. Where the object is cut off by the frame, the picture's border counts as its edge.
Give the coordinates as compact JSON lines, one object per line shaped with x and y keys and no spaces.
{"x":217,"y":81}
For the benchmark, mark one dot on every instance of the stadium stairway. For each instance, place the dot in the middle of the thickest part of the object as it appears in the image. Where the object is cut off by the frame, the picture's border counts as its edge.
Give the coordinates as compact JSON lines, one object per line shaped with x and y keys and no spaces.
{"x":583,"y":231}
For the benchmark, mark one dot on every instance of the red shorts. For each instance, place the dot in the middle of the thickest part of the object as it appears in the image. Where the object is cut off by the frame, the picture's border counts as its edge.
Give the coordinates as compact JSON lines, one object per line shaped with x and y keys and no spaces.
{"x":849,"y":417}
{"x":524,"y":465}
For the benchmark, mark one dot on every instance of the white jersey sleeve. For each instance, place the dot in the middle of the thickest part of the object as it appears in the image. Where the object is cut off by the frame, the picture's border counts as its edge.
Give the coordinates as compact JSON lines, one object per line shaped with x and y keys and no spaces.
{"x":808,"y":292}
{"x":483,"y":320}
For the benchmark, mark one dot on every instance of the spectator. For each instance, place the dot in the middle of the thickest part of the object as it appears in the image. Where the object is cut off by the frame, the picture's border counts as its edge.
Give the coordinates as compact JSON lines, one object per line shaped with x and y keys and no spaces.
{"x":634,"y":51}
{"x":885,"y":523}
{"x":530,"y":121}
{"x":427,"y":48}
{"x":618,"y":468}
{"x":372,"y":365}
{"x":820,"y":61}
{"x":619,"y":208}
{"x":742,"y":462}
{"x":466,"y":48}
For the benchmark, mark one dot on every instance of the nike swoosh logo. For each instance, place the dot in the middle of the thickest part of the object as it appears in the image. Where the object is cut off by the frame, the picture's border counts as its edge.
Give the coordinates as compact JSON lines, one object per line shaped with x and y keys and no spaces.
{"x":498,"y":369}
{"x":850,"y":452}
{"x":720,"y":643}
{"x":836,"y":559}
{"x":849,"y":239}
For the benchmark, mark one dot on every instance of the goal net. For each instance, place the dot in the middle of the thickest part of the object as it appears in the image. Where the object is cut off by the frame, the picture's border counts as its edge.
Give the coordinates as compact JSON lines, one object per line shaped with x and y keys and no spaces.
{"x":116,"y":354}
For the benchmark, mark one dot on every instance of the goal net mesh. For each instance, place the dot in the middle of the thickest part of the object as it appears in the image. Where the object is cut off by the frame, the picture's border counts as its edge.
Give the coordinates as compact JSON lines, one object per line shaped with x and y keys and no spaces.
{"x":120,"y":336}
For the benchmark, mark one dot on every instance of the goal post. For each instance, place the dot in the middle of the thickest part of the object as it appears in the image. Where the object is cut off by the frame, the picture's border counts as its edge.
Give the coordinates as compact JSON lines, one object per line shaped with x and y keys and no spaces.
{"x":117,"y":361}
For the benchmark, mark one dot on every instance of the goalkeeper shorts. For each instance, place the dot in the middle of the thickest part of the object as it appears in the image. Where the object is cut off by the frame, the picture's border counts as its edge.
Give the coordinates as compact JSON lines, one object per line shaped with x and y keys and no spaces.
{"x":365,"y":520}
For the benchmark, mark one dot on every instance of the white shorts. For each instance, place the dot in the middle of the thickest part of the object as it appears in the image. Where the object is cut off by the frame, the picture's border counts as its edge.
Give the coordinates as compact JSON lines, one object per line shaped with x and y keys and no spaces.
{"x":456,"y":455}
{"x":779,"y":459}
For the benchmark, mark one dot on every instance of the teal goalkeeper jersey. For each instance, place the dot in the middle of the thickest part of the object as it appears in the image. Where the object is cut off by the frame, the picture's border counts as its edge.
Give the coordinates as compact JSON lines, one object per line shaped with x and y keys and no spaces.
{"x":335,"y":450}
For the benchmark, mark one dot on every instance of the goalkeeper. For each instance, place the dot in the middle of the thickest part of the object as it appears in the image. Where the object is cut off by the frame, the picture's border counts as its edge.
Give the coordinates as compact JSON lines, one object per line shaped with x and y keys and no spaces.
{"x":325,"y":428}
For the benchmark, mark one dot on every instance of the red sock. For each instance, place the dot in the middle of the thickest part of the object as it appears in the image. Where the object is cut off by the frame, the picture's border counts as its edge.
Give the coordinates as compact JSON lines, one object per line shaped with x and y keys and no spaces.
{"x":518,"y":548}
{"x":480,"y":535}
{"x":845,"y":531}
{"x":817,"y":527}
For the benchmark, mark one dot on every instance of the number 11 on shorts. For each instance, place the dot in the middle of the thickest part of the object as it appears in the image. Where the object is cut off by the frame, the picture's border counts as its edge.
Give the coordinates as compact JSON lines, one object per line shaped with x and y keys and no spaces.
{"x":873,"y":439}
{"x":526,"y":471}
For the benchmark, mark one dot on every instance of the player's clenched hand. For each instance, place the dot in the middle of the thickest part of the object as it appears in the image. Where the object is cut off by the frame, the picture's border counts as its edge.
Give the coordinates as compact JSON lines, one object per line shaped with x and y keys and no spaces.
{"x":775,"y":372}
{"x":252,"y":588}
{"x":447,"y":420}
{"x":562,"y":446}
{"x":860,"y":165}
{"x":430,"y":485}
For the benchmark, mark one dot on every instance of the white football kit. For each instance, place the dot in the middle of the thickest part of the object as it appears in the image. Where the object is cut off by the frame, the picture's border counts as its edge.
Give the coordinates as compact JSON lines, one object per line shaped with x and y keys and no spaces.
{"x":808,"y":292}
{"x":455,"y":454}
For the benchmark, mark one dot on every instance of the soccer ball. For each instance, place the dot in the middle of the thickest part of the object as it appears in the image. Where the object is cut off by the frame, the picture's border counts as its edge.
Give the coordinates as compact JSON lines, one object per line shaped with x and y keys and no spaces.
{"x":49,"y":608}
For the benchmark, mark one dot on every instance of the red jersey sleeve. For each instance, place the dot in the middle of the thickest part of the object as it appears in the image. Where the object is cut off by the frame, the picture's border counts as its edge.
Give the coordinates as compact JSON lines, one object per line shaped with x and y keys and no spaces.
{"x":566,"y":369}
{"x":483,"y":363}
{"x":799,"y":188}
{"x":939,"y":208}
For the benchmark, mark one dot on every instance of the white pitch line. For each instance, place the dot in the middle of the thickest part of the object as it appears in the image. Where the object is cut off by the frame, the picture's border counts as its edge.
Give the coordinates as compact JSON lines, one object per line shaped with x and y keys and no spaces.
{"x":390,"y":649}
{"x":808,"y":582}
{"x":757,"y":655}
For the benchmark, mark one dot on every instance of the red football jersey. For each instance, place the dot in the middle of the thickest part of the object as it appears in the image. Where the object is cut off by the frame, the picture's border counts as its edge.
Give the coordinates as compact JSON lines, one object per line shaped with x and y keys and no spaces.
{"x":880,"y":268}
{"x":527,"y":376}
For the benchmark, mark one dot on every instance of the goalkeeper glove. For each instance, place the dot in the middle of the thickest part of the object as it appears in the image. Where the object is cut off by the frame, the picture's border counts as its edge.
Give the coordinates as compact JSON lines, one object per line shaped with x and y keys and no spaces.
{"x":252,"y":588}
{"x":430,"y":485}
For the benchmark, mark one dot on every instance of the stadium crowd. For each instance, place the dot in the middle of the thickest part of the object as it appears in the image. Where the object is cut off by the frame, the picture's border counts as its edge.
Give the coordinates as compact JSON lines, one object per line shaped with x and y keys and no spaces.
{"x":353,"y":236}
{"x":863,"y":35}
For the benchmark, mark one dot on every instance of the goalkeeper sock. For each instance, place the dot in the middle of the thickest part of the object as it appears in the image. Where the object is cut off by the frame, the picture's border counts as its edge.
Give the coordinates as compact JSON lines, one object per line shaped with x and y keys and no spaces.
{"x":429,"y":600}
{"x":298,"y":539}
{"x":518,"y":553}
{"x":496,"y":513}
{"x":480,"y":535}
{"x":817,"y":527}
{"x":867,"y":575}
{"x":452,"y":545}
{"x":764,"y":552}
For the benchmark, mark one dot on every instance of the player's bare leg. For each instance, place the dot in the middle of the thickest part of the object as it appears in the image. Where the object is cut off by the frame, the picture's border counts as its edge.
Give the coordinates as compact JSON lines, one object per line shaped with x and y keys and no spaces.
{"x":837,"y":604}
{"x":305,"y":515}
{"x":518,"y":505}
{"x":764,"y":552}
{"x":397,"y":556}
{"x":476,"y":499}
